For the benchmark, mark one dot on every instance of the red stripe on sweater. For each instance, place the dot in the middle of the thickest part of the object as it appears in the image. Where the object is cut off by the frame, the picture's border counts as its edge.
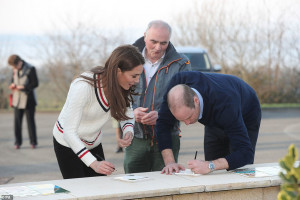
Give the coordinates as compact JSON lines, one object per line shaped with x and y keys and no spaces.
{"x":91,"y":143}
{"x":84,"y":154}
{"x":59,"y":129}
{"x":126,"y":126}
{"x":101,"y":95}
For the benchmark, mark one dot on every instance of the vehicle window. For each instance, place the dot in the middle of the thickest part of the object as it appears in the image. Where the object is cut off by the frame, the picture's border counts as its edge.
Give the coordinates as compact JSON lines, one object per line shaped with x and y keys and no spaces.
{"x":199,"y":61}
{"x":206,"y":61}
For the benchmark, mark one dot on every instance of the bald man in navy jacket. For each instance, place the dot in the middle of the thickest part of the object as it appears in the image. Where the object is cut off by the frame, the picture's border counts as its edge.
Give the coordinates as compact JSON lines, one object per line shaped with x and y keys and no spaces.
{"x":227,"y":107}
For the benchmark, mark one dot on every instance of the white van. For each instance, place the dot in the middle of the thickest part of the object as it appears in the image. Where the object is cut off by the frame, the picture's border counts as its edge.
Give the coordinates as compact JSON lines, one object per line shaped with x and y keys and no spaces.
{"x":199,"y":59}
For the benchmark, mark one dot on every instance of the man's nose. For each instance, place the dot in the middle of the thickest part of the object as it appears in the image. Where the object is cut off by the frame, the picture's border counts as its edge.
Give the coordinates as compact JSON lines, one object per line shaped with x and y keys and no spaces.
{"x":158,"y":47}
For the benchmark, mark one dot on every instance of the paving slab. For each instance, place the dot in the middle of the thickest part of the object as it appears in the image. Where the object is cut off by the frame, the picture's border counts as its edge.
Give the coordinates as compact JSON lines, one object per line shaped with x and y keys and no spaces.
{"x":279,"y":128}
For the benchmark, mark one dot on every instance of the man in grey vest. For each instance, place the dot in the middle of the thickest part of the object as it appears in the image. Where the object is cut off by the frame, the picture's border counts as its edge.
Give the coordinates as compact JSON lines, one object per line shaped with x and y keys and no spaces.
{"x":162,"y":62}
{"x":23,"y":83}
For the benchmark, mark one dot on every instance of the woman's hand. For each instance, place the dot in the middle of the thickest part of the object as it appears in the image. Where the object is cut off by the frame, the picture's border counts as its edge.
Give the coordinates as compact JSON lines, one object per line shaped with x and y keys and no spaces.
{"x":103,"y":167}
{"x":16,"y":87}
{"x":20,"y":87}
{"x":12,"y":86}
{"x":126,"y":141}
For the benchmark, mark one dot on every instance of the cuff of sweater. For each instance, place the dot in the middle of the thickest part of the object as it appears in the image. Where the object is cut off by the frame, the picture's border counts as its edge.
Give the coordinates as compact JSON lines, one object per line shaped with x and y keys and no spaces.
{"x":127,"y":127}
{"x":88,"y":158}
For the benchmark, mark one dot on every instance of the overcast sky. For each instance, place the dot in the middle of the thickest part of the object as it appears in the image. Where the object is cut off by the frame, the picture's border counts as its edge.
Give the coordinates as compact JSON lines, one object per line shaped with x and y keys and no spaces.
{"x":37,"y":17}
{"x":40,"y":16}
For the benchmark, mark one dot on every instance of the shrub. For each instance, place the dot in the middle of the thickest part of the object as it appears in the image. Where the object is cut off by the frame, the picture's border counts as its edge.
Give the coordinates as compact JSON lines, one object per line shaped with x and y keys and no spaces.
{"x":290,"y":176}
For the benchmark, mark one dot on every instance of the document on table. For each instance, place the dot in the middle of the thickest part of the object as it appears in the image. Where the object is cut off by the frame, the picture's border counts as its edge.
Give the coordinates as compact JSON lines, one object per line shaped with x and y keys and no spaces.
{"x":186,"y":172}
{"x":32,"y":190}
{"x":132,"y":178}
{"x":257,"y":172}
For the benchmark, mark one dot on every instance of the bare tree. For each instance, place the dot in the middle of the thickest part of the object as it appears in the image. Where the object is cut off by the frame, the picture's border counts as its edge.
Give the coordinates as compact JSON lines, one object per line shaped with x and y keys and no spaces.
{"x":246,"y":41}
{"x":5,"y":73}
{"x":64,"y":55}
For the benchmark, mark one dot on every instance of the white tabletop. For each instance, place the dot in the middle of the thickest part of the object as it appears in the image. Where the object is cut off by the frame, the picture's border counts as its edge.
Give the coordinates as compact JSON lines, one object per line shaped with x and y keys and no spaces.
{"x":107,"y":187}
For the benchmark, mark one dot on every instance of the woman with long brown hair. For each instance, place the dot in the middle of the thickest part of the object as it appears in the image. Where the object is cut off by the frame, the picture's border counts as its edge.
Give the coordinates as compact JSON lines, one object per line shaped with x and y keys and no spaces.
{"x":93,"y":98}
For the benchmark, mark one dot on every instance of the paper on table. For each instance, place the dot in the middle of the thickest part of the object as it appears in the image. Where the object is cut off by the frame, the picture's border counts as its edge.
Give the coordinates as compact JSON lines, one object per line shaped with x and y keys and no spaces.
{"x":46,"y":189}
{"x":32,"y":190}
{"x":2,"y":192}
{"x":257,"y":172}
{"x":187,"y":172}
{"x":20,"y":191}
{"x":131,"y":178}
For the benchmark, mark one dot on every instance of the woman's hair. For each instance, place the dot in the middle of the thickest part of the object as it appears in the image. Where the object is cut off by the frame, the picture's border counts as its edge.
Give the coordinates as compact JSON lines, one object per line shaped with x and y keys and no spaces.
{"x":125,"y":57}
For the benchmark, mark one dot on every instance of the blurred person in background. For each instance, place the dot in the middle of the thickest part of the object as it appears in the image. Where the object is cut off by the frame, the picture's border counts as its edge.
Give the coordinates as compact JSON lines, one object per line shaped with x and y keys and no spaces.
{"x":24,"y":81}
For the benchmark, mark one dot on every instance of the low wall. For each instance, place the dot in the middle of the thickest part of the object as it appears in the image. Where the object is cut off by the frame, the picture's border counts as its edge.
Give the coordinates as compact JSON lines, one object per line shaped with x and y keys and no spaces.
{"x":217,"y":185}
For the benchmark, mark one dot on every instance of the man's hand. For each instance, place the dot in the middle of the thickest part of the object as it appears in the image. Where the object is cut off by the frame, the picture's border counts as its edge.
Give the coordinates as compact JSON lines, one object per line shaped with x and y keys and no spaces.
{"x":150,"y":118}
{"x":139,"y":113}
{"x":141,"y":116}
{"x":172,"y":167}
{"x":103,"y":167}
{"x":199,"y":166}
{"x":126,"y":141}
{"x":170,"y":164}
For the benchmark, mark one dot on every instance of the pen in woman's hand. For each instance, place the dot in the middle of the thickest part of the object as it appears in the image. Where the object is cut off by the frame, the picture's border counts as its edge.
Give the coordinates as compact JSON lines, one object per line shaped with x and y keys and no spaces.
{"x":102,"y":159}
{"x":99,"y":158}
{"x":195,"y":155}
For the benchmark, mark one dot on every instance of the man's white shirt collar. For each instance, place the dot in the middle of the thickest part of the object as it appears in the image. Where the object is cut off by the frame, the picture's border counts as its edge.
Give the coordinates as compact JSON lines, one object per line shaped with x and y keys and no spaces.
{"x":201,"y":102}
{"x":149,"y":67}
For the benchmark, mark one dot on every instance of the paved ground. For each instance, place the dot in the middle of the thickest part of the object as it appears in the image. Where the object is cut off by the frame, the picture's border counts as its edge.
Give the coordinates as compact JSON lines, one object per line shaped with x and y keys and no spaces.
{"x":279,"y":129}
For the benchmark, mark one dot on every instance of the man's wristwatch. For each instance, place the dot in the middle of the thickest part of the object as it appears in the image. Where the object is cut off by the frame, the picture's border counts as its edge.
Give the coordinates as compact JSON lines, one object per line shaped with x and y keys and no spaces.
{"x":211,"y":166}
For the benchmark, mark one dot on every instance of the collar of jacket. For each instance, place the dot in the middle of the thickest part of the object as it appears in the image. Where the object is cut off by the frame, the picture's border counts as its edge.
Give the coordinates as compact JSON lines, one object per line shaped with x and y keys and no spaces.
{"x":25,"y":69}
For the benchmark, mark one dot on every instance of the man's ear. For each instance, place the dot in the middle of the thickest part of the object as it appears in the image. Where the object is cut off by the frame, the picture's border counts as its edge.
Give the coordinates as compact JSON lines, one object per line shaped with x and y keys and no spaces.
{"x":196,"y":100}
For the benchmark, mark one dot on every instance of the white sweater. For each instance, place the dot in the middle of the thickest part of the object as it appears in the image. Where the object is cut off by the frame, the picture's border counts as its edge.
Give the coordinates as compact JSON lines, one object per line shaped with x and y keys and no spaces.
{"x":80,"y":121}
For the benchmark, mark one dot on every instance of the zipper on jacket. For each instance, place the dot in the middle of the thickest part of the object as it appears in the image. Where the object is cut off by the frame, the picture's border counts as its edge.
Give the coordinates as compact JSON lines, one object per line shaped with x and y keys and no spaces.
{"x":167,"y":71}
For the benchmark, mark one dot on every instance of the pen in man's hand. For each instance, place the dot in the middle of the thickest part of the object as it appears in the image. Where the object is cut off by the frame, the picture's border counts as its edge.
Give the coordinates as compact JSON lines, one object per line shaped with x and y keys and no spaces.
{"x":195,"y":155}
